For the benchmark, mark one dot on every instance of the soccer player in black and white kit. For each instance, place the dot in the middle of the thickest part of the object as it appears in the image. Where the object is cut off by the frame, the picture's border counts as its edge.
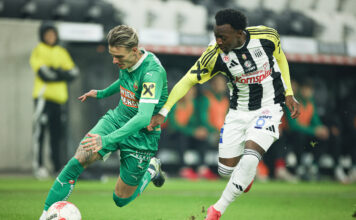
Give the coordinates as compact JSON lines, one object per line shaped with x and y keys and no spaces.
{"x":258,"y":78}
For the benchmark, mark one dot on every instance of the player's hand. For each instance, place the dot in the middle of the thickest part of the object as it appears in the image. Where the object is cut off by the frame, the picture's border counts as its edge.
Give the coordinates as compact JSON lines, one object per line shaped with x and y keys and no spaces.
{"x":93,"y":142}
{"x":293,"y":106}
{"x":155,"y":121}
{"x":92,"y":93}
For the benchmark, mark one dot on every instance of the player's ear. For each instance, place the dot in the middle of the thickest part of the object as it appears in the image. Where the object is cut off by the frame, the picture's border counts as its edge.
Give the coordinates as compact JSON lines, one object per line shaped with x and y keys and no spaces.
{"x":239,"y":32}
{"x":135,"y":49}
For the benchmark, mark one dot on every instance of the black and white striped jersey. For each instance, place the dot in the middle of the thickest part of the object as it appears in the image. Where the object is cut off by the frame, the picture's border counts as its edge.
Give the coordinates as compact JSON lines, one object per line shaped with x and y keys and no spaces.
{"x":253,"y":71}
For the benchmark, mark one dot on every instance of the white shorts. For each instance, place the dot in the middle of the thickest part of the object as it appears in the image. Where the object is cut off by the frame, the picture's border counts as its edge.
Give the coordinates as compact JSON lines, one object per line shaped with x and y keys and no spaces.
{"x":260,"y":126}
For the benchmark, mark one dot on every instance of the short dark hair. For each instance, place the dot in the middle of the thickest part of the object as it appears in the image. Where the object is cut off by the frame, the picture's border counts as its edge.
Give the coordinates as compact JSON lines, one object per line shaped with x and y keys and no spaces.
{"x":235,"y":18}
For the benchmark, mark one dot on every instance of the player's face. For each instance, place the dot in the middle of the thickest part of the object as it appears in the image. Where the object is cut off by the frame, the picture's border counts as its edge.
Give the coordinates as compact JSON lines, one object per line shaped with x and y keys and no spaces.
{"x":50,"y":37}
{"x":227,"y":37}
{"x":124,"y":57}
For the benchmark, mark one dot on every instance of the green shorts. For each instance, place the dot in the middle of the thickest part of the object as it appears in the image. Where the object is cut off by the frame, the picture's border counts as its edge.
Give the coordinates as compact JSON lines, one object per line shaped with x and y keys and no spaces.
{"x":136,"y":151}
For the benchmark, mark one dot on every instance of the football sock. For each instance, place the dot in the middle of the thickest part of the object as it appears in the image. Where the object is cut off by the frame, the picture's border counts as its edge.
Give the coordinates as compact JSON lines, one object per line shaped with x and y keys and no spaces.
{"x":120,"y":202}
{"x":225,"y":171}
{"x":239,"y":181}
{"x":64,"y":183}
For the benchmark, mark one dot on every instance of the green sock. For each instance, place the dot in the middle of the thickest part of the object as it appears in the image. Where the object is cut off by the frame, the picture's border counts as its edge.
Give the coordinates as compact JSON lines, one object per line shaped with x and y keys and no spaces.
{"x":64,"y":183}
{"x":141,"y":187}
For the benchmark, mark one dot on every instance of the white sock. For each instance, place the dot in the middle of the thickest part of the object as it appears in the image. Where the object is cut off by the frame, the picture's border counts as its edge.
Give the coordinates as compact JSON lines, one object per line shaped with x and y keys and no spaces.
{"x":43,"y":216}
{"x":225,"y":171}
{"x":240,"y":179}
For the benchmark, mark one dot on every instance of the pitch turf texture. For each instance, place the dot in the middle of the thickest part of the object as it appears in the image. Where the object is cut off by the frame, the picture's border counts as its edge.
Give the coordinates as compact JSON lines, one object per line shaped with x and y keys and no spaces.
{"x":22,"y":198}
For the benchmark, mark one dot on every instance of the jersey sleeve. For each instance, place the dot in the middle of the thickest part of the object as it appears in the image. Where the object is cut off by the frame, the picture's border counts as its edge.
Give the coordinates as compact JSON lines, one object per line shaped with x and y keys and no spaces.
{"x":282,"y":63}
{"x":152,"y":85}
{"x":110,"y":90}
{"x":203,"y":70}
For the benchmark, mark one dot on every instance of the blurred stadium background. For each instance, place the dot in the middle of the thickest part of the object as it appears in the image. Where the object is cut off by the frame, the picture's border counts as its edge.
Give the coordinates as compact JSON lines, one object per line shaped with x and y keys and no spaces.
{"x":318,"y":37}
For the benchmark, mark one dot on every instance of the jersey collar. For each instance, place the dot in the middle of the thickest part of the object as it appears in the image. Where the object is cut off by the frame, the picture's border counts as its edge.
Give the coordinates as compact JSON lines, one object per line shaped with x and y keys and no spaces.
{"x":246,"y":41}
{"x":139,"y":62}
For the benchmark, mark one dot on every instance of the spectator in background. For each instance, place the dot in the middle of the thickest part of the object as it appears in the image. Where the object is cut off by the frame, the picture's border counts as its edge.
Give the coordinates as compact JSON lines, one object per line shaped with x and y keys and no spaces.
{"x":213,"y":107}
{"x":189,"y":136}
{"x":53,"y":68}
{"x":312,"y":138}
{"x":275,"y":159}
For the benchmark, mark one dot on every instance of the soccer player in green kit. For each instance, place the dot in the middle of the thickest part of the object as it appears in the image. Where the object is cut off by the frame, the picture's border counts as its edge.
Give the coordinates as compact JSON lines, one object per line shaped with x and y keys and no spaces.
{"x":142,"y":85}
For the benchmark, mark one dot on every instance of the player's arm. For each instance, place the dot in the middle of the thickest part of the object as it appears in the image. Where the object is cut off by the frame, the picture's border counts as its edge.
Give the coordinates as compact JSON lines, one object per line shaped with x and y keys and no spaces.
{"x":200,"y":72}
{"x":99,"y":94}
{"x":39,"y":66}
{"x":96,"y":142}
{"x":67,"y":71}
{"x":283,"y":65}
{"x":110,"y":90}
{"x":291,"y":102}
{"x":139,"y":121}
{"x":151,"y":92}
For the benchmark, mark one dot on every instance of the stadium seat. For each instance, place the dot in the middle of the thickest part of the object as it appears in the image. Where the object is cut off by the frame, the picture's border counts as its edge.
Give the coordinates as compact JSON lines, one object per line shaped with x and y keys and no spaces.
{"x":40,"y":9}
{"x":189,"y":18}
{"x":302,"y":5}
{"x":275,"y":5}
{"x":134,"y":11}
{"x":331,"y":7}
{"x":103,"y":13}
{"x":12,"y":8}
{"x":330,"y":27}
{"x":349,"y":7}
{"x":159,"y":16}
{"x":349,"y":23}
{"x":72,"y":10}
{"x":294,"y":23}
{"x":248,"y":4}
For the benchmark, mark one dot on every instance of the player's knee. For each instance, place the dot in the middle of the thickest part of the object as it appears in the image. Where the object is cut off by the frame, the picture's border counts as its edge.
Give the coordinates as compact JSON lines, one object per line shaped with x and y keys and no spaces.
{"x":246,"y":170}
{"x":225,"y":171}
{"x":250,"y":160}
{"x":120,"y":202}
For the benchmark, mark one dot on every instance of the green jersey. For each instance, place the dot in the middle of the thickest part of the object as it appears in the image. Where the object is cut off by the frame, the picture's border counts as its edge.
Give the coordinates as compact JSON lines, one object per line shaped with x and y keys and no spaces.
{"x":143,"y":91}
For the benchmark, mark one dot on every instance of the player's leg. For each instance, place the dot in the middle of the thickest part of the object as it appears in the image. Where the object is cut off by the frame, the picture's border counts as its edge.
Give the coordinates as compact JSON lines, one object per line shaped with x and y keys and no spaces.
{"x":66,"y":180}
{"x":258,"y":142}
{"x":231,"y":143}
{"x":40,"y":123}
{"x":136,"y":172}
{"x":56,"y":134}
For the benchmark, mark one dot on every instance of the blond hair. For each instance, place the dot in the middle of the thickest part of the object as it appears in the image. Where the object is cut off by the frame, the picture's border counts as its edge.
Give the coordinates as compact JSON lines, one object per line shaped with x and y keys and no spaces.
{"x":122,"y":36}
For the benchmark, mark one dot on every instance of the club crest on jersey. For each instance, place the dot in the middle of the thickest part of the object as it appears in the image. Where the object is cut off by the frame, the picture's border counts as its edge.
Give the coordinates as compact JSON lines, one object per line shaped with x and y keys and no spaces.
{"x":226,"y":58}
{"x":148,"y":90}
{"x":244,"y":56}
{"x":258,"y":53}
{"x":135,"y":85}
{"x":247,"y":63}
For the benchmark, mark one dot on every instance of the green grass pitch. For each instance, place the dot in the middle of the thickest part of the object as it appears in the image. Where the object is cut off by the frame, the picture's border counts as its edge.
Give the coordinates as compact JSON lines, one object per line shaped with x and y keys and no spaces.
{"x":23,"y":198}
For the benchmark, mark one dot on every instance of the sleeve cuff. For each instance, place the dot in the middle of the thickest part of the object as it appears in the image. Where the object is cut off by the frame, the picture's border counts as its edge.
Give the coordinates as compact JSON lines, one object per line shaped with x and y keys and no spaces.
{"x":99,"y":94}
{"x":164,"y":112}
